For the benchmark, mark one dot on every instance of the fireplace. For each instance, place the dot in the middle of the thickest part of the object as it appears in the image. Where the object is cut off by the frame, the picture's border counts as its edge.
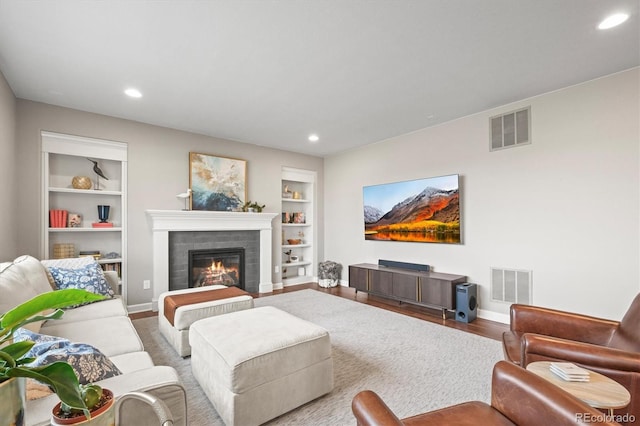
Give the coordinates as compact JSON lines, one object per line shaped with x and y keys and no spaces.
{"x":182,"y":243}
{"x":198,"y":228}
{"x":216,"y":267}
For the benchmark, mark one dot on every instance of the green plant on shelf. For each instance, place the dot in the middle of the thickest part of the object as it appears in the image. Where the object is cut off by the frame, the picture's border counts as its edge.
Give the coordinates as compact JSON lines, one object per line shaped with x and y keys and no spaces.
{"x":250,"y":206}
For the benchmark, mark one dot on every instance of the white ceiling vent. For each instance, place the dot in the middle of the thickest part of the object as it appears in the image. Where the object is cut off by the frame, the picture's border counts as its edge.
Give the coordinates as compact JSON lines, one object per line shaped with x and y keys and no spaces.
{"x":511,"y":286}
{"x":510,"y":129}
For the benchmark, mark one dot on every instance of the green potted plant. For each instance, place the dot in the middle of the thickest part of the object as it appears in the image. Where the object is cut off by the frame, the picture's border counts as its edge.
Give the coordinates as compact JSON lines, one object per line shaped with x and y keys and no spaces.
{"x":13,"y":369}
{"x":99,"y":402}
{"x":252,"y":207}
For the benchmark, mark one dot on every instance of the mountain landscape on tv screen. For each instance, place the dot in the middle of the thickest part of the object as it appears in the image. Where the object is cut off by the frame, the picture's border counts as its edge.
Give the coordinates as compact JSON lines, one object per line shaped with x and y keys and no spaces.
{"x":433,"y":215}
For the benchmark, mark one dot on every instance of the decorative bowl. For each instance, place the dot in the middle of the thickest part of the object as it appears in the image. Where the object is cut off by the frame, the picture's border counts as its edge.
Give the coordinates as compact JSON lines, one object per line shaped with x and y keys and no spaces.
{"x":294,"y":241}
{"x":81,"y":182}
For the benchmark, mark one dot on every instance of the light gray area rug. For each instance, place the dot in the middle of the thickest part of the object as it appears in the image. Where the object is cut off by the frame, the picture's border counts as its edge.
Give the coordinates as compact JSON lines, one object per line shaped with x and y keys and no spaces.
{"x":414,"y":365}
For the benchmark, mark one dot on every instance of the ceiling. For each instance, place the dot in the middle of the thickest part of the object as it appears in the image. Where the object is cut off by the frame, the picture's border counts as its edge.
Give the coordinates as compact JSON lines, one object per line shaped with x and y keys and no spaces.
{"x":272,"y":72}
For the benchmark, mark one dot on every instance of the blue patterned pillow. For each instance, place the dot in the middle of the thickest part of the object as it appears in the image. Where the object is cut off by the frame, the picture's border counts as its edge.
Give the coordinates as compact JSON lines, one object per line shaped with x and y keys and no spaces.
{"x":89,"y":277}
{"x":89,"y":363}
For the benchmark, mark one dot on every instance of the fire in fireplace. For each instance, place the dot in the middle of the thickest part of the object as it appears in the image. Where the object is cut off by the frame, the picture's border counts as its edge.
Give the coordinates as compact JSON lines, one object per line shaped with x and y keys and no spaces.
{"x":216,"y":266}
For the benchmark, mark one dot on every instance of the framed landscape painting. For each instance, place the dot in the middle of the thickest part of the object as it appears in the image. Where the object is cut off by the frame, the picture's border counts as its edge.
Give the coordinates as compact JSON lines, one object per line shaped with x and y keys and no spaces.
{"x":217,"y":183}
{"x":422,"y":210}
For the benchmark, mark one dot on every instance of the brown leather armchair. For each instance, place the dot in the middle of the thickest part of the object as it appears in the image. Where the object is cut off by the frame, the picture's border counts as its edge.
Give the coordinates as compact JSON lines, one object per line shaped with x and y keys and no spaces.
{"x":611,"y":348}
{"x":518,"y":397}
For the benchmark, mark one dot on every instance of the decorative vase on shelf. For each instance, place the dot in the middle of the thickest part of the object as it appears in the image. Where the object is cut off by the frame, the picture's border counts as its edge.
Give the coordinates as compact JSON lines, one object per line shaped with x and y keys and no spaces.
{"x":103,"y":213}
{"x":81,"y":182}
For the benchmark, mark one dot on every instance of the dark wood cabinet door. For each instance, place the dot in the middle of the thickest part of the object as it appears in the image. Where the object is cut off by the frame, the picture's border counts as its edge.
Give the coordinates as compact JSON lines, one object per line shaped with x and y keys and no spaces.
{"x":405,"y":286}
{"x":380,"y":282}
{"x":438,"y":292}
{"x":358,"y":278}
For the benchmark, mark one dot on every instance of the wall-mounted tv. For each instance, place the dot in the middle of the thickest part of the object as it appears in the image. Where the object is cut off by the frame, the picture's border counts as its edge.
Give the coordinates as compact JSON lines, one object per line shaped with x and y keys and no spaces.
{"x":421,"y":210}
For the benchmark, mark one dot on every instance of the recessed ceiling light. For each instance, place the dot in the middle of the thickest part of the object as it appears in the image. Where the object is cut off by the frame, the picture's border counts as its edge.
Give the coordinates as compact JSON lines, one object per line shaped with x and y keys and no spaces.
{"x":133,"y":93}
{"x":313,"y":138}
{"x":613,"y":20}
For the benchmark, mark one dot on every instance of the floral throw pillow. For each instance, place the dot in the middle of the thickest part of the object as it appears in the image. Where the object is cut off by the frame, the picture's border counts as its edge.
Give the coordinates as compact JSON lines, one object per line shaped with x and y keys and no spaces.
{"x":89,"y":277}
{"x":88,"y":362}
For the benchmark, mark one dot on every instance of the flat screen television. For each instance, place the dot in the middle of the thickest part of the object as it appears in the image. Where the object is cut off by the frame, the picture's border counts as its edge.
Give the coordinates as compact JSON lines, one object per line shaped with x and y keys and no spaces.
{"x":422,"y":210}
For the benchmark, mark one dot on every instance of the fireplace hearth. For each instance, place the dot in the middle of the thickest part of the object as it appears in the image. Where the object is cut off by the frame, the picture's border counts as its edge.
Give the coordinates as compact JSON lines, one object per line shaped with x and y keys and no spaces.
{"x":216,"y":267}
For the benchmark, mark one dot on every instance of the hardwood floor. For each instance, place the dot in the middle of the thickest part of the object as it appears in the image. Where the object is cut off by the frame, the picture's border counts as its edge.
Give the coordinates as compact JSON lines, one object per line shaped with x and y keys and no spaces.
{"x":482,"y":327}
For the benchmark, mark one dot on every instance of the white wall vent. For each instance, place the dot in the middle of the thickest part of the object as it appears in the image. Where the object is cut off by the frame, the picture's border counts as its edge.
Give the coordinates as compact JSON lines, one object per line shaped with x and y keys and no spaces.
{"x":510,"y":129}
{"x":511,"y":286}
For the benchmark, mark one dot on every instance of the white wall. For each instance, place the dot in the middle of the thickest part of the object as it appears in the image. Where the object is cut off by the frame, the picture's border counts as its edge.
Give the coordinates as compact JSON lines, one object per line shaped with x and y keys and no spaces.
{"x":565,"y":207}
{"x":8,"y":184}
{"x":158,"y":169}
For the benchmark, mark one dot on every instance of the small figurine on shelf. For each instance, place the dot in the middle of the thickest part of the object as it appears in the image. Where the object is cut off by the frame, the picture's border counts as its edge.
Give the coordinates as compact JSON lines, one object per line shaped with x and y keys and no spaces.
{"x":185,"y":196}
{"x":286,"y":192}
{"x":99,"y":173}
{"x":111,"y":255}
{"x":288,"y":253}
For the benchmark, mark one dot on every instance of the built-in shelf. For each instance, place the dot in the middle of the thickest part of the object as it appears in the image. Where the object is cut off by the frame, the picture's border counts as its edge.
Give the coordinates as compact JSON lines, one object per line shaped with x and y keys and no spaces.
{"x":114,"y":260}
{"x":85,"y":229}
{"x":292,"y":200}
{"x":295,"y":245}
{"x":301,"y":185}
{"x":285,"y":264}
{"x":63,"y":158}
{"x":85,"y":191}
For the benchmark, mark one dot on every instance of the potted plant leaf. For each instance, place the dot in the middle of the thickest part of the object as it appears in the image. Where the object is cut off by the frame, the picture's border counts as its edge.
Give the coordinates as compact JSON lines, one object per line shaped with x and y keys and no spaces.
{"x":13,"y":369}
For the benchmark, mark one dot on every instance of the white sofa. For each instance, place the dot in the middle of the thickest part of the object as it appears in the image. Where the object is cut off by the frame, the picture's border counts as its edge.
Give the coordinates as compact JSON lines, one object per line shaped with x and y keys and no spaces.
{"x":104,"y":325}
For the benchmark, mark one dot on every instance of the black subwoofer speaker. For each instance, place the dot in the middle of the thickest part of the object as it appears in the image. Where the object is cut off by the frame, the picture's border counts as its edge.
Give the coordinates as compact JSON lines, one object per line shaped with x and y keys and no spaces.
{"x":466,"y":302}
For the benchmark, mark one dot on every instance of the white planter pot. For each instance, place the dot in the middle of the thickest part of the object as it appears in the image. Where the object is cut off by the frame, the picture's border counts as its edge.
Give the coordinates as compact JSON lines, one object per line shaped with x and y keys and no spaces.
{"x":12,"y":397}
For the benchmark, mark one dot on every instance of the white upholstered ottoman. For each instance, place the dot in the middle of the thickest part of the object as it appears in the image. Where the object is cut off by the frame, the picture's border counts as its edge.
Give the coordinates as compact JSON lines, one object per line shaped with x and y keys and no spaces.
{"x":257,"y":364}
{"x":174,"y":325}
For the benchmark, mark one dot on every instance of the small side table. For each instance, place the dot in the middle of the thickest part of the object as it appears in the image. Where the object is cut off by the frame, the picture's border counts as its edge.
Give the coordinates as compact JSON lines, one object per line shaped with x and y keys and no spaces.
{"x":599,"y":392}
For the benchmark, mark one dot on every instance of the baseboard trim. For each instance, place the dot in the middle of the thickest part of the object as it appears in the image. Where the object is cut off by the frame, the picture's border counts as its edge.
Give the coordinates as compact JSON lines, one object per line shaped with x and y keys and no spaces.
{"x":493,"y":316}
{"x":142,"y":307}
{"x":266,"y":287}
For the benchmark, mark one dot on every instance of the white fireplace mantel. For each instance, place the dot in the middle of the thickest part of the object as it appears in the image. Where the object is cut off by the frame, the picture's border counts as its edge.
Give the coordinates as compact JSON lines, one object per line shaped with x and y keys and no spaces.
{"x":165,"y":221}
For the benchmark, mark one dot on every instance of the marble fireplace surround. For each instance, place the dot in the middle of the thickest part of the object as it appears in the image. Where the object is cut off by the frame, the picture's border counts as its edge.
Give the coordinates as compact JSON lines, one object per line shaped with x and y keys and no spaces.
{"x":165,"y":221}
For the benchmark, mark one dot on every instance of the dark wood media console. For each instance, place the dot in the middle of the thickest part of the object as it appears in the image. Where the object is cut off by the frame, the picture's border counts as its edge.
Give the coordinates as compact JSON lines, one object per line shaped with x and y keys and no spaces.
{"x":431,"y":289}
